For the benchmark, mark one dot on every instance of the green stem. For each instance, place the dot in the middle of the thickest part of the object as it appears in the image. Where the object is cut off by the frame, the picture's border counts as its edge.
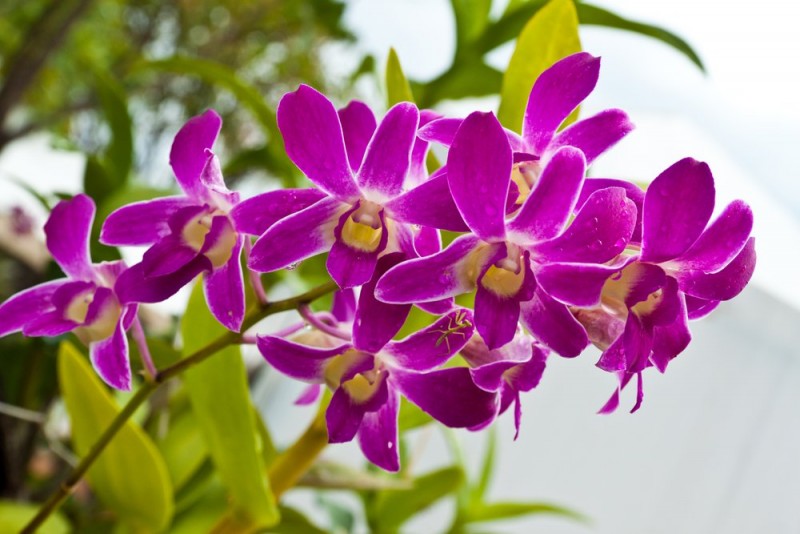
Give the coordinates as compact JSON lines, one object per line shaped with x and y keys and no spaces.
{"x":149,"y":386}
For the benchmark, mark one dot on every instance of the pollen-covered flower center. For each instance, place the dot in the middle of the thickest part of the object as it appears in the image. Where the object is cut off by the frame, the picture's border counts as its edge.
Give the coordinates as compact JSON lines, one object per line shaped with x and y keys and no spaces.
{"x":196,"y":233}
{"x":525,"y":175}
{"x":505,"y":277}
{"x":363,"y":228}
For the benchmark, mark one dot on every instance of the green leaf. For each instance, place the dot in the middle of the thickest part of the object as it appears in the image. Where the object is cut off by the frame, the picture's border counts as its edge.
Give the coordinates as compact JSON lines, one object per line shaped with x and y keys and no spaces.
{"x":183,"y":448}
{"x":411,"y":416}
{"x":392,"y":508}
{"x":463,"y":80}
{"x":129,"y":476}
{"x":508,"y":510}
{"x":118,"y":155}
{"x":551,"y":34}
{"x":397,"y":87}
{"x":590,"y":14}
{"x":331,"y":475}
{"x":471,"y":19}
{"x":293,"y":522}
{"x":15,"y":515}
{"x":221,"y":402}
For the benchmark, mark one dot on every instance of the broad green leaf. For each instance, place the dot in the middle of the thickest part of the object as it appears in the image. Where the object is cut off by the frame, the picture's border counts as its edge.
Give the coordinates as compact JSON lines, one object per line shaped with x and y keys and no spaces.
{"x":15,"y":515}
{"x":471,"y":19}
{"x":551,"y":34}
{"x":465,"y":79}
{"x":508,"y":510}
{"x":392,"y":508}
{"x":221,"y":402}
{"x":331,"y":475}
{"x":129,"y":476}
{"x":397,"y":87}
{"x":589,"y":14}
{"x":293,"y":522}
{"x":204,"y":513}
{"x":183,"y":448}
{"x":118,"y":155}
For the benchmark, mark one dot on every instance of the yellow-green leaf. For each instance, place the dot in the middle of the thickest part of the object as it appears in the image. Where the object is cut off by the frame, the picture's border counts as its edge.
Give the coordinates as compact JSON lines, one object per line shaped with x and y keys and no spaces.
{"x":221,"y":403}
{"x":397,"y":86}
{"x":129,"y":476}
{"x":551,"y":34}
{"x":15,"y":515}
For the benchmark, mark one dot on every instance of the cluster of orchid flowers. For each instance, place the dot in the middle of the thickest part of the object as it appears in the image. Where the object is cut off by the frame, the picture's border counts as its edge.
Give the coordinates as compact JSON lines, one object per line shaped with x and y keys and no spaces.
{"x":555,"y":260}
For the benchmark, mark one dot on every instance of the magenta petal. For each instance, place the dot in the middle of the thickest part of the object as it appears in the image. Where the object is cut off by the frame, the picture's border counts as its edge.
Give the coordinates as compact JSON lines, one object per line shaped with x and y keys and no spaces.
{"x":27,"y":306}
{"x":134,"y":285}
{"x":557,"y":91}
{"x":188,"y":155}
{"x":576,"y":284}
{"x":110,"y":359}
{"x":724,"y":284}
{"x":430,"y":278}
{"x":677,"y":207}
{"x":309,"y":395}
{"x":167,"y":256}
{"x":496,"y":317}
{"x":344,"y":305}
{"x":315,"y":143}
{"x":67,"y":231}
{"x":297,"y":237}
{"x":449,"y":396}
{"x":141,"y":223}
{"x":599,"y":232}
{"x":256,"y":215}
{"x":298,"y":361}
{"x":377,"y":434}
{"x":671,"y":339}
{"x":388,"y":155}
{"x":343,"y":417}
{"x":49,"y":324}
{"x":549,"y":206}
{"x":479,"y":172}
{"x":435,"y":344}
{"x":697,"y":308}
{"x":632,"y":191}
{"x":349,"y":266}
{"x":552,"y":323}
{"x":428,"y":204}
{"x":418,"y":172}
{"x":224,"y":289}
{"x":377,"y":322}
{"x":596,"y":134}
{"x":358,"y":126}
{"x":721,"y":241}
{"x":441,"y":131}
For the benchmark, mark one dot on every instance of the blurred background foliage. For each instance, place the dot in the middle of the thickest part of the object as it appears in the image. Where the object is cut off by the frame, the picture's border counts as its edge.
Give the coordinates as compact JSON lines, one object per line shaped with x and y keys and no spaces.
{"x":114,"y":79}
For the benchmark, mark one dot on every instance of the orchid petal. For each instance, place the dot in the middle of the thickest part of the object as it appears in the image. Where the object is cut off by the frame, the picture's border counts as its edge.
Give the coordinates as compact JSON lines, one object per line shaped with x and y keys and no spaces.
{"x":632,"y":191}
{"x":377,"y":434}
{"x":677,"y":207}
{"x":697,"y":308}
{"x":434,"y":345}
{"x":388,"y":155}
{"x":428,"y":204}
{"x":344,"y":305}
{"x":134,"y":285}
{"x":224,"y":289}
{"x":671,"y":339}
{"x":297,"y":237}
{"x":557,"y":92}
{"x":188,"y":155}
{"x":141,"y":223}
{"x":27,"y":306}
{"x":49,"y":324}
{"x":358,"y":126}
{"x":110,"y":359}
{"x":67,"y":230}
{"x":315,"y":142}
{"x":343,"y":417}
{"x":721,"y":241}
{"x":724,"y":284}
{"x":309,"y":395}
{"x":553,"y":325}
{"x":296,"y":360}
{"x":496,"y":317}
{"x":256,"y":215}
{"x":479,"y":172}
{"x":594,"y":135}
{"x":577,"y":284}
{"x":167,"y":256}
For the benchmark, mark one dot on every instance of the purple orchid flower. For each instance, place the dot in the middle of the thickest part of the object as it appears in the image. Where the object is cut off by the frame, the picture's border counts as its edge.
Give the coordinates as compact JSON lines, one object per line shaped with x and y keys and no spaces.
{"x":555,"y":94}
{"x":189,"y":234}
{"x":499,"y":258}
{"x":370,"y":373}
{"x":84,"y":303}
{"x":637,"y":308}
{"x":514,"y":368}
{"x":360,"y":167}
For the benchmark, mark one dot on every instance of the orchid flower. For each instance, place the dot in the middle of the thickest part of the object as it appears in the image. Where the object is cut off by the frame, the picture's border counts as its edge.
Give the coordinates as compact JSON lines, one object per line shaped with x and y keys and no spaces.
{"x":500,"y":256}
{"x":84,"y":303}
{"x":637,"y":307}
{"x":359,"y":168}
{"x":188,"y":234}
{"x":369,"y":374}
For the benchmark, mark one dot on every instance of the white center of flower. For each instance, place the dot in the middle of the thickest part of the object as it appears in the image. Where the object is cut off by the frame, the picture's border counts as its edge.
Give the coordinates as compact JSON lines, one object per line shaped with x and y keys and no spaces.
{"x":104,"y":322}
{"x":196,"y":232}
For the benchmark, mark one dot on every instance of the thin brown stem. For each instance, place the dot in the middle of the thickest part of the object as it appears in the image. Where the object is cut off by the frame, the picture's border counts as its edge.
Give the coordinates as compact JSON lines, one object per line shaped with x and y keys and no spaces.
{"x":148,"y":387}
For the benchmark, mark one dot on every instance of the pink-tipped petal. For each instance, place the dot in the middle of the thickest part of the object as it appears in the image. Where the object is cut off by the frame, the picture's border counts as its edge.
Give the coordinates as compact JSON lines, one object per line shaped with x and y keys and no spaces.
{"x":67,"y":231}
{"x":594,"y":135}
{"x":557,"y":92}
{"x":315,"y":143}
{"x":188,"y":155}
{"x":141,"y":223}
{"x":721,"y":241}
{"x":576,"y":284}
{"x":479,"y":172}
{"x":298,"y":361}
{"x":388,"y":155}
{"x":677,"y":207}
{"x":358,"y":126}
{"x":224,"y":289}
{"x":27,"y":306}
{"x":256,"y":215}
{"x":110,"y":359}
{"x":297,"y":237}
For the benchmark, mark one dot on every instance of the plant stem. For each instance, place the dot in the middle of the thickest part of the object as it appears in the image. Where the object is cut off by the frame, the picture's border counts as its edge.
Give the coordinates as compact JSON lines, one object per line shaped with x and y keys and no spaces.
{"x":148,"y":387}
